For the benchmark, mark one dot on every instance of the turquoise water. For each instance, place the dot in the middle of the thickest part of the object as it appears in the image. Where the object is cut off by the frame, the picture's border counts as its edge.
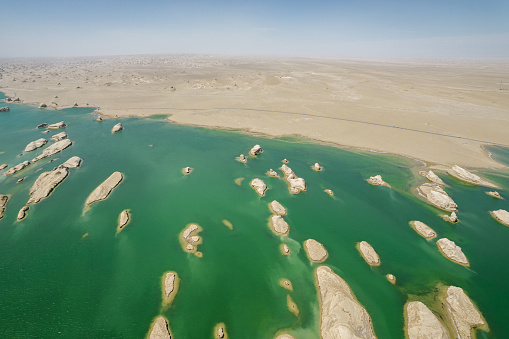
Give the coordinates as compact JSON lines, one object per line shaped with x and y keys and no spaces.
{"x":56,"y":283}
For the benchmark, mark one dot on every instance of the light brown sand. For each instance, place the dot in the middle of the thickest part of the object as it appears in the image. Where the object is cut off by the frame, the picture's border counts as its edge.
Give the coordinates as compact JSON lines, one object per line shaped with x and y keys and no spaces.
{"x":405,"y":107}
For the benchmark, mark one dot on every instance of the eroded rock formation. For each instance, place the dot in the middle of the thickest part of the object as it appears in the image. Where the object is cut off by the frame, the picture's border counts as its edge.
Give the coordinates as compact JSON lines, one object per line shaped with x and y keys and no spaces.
{"x":431,"y":176}
{"x":452,"y":251}
{"x":341,"y":315}
{"x":259,"y":186}
{"x":45,"y":184}
{"x":3,"y":203}
{"x":368,"y":253}
{"x":464,"y":175}
{"x":463,"y":312}
{"x":123,"y":220}
{"x":160,"y":329}
{"x":277,"y":208}
{"x":57,"y":125}
{"x":378,"y":181}
{"x":59,"y":136}
{"x":17,"y":168}
{"x":170,"y":283}
{"x":117,"y":128}
{"x":438,"y":197}
{"x":502,"y":216}
{"x":295,"y":184}
{"x":315,"y":251}
{"x":104,"y":189}
{"x":257,"y":149}
{"x":189,"y":239}
{"x":421,"y":323}
{"x":278,"y":225}
{"x":35,"y":145}
{"x":423,"y":229}
{"x":53,"y":149}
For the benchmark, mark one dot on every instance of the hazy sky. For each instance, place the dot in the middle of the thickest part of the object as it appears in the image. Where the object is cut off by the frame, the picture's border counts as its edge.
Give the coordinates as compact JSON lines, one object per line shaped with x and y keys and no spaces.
{"x":343,"y":28}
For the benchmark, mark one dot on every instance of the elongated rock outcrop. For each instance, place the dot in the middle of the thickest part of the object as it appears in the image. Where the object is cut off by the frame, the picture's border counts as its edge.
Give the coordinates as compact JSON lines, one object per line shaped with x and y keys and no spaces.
{"x":59,"y":136}
{"x":278,"y":225}
{"x":421,"y":323}
{"x":257,"y":149}
{"x":2,"y":166}
{"x":431,"y":176}
{"x":277,"y":208}
{"x":464,"y":175}
{"x":189,"y":239}
{"x":45,"y":184}
{"x":502,"y":216}
{"x":341,"y":315}
{"x":57,"y":147}
{"x":117,"y":128}
{"x":3,"y":203}
{"x":494,"y":194}
{"x":23,"y":212}
{"x":437,"y":197}
{"x":73,"y":162}
{"x":259,"y":186}
{"x":220,"y":331}
{"x":317,"y":167}
{"x":104,"y":189}
{"x":160,"y":329}
{"x":295,"y":184}
{"x":58,"y":125}
{"x":272,"y":173}
{"x":315,"y":251}
{"x":378,"y":181}
{"x":123,"y":220}
{"x":423,"y":229}
{"x":463,"y":312}
{"x":35,"y":145}
{"x":452,"y":251}
{"x":368,"y":253}
{"x":241,"y":158}
{"x":5,"y":109}
{"x":452,"y":218}
{"x":171,"y":283}
{"x":17,"y":168}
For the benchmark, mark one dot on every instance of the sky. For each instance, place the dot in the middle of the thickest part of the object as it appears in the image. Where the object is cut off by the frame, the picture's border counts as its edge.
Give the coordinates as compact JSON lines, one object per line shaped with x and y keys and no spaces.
{"x":341,"y":28}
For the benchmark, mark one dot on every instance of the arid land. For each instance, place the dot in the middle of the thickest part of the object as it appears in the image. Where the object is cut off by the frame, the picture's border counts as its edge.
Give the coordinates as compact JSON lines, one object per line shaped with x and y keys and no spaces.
{"x":441,"y":112}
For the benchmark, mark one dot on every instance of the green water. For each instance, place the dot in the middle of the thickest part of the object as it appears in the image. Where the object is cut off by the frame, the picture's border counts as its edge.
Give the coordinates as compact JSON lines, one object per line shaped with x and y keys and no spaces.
{"x":54,"y":283}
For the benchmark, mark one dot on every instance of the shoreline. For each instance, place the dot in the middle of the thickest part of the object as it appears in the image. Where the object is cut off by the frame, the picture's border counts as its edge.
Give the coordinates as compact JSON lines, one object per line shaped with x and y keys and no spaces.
{"x":423,"y":110}
{"x":419,"y":163}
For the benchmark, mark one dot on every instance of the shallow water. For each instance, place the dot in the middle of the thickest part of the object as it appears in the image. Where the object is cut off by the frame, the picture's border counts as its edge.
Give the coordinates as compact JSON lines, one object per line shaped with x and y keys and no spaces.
{"x":56,"y":283}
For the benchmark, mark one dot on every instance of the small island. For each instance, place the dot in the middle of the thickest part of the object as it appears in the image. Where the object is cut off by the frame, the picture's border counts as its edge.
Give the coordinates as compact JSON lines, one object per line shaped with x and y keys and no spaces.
{"x":160,"y":329}
{"x":340,"y":312}
{"x":170,"y":285}
{"x":502,"y":216}
{"x":421,"y":323}
{"x":259,"y":186}
{"x":423,"y":229}
{"x":104,"y":189}
{"x":123,"y":219}
{"x":377,"y":181}
{"x":278,"y":225}
{"x":315,"y":251}
{"x":368,"y":253}
{"x":452,"y":251}
{"x":189,"y":239}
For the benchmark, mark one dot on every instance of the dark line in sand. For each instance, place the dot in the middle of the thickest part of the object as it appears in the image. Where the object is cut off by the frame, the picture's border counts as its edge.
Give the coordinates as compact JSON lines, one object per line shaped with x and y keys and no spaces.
{"x":326,"y":117}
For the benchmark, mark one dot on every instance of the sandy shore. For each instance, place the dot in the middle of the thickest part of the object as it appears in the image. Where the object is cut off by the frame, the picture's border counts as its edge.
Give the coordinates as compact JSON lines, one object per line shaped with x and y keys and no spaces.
{"x":440,"y":111}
